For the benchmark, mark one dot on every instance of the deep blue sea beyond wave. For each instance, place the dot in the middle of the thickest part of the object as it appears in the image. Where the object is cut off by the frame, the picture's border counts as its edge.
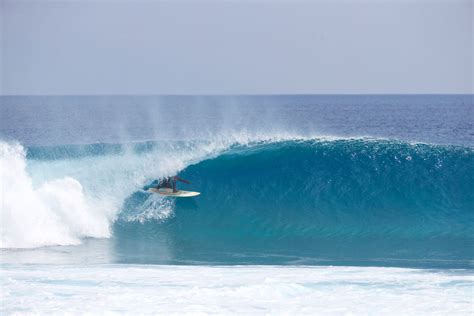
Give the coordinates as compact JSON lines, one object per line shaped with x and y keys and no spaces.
{"x":314,"y":180}
{"x":60,"y":120}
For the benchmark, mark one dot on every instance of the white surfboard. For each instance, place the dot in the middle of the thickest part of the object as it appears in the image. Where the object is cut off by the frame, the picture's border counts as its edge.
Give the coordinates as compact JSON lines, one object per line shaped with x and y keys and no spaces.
{"x":169,"y":192}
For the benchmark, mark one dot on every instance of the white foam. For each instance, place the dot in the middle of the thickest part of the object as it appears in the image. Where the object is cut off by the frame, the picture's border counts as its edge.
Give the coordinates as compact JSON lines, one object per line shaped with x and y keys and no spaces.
{"x":255,"y":290}
{"x":55,"y":213}
{"x":155,"y":207}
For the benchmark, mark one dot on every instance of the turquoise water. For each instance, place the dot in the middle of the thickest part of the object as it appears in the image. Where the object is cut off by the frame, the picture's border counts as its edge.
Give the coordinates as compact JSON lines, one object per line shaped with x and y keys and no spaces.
{"x":305,"y":180}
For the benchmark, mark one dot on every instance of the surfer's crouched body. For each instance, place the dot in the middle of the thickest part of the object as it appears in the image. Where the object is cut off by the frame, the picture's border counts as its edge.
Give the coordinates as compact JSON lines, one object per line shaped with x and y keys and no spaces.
{"x":170,"y":183}
{"x":165,"y":183}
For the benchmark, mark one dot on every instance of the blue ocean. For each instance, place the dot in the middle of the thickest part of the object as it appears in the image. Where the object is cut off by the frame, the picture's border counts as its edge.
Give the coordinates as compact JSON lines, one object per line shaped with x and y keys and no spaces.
{"x":301,"y":195}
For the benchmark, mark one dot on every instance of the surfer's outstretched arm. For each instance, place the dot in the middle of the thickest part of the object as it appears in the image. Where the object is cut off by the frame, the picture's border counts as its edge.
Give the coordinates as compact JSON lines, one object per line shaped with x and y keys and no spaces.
{"x":182,"y":180}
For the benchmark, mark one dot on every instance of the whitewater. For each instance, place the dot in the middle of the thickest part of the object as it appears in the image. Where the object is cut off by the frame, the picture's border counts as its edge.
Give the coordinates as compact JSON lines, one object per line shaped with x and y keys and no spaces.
{"x":292,"y":219}
{"x":255,"y":290}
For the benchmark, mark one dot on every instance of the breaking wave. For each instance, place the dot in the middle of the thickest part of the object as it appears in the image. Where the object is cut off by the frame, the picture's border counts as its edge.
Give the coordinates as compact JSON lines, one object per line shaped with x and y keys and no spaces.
{"x":279,"y":194}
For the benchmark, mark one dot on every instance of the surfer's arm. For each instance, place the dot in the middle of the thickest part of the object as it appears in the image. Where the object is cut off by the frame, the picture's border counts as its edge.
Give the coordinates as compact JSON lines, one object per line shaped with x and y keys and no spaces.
{"x":182,"y":180}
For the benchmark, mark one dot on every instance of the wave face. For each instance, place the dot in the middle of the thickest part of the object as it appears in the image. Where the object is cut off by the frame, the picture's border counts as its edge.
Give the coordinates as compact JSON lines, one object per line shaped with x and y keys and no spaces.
{"x":326,"y":200}
{"x":339,"y":188}
{"x":311,"y":201}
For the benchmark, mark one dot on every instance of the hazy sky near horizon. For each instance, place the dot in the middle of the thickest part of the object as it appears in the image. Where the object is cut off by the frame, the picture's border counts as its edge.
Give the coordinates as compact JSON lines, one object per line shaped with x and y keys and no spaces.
{"x":236,"y":47}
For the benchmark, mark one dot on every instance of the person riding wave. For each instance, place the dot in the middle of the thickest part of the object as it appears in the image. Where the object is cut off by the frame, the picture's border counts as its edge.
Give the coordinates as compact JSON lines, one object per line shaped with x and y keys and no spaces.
{"x":170,"y":183}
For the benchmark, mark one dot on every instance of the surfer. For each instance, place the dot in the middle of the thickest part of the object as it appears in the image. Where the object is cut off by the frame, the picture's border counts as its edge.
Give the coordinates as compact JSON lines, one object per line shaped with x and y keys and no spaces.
{"x":170,"y":183}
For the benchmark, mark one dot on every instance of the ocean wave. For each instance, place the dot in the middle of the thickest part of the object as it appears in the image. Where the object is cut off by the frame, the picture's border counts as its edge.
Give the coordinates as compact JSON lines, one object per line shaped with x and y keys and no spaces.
{"x":275,"y":187}
{"x":337,"y":188}
{"x":58,"y":195}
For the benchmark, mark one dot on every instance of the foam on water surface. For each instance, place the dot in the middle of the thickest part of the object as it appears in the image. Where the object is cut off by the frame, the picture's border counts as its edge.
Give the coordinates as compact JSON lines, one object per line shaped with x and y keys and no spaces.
{"x":123,"y":289}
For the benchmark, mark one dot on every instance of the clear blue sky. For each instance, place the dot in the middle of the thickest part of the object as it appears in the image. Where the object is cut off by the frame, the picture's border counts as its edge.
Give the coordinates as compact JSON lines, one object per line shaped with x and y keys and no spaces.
{"x":236,"y":47}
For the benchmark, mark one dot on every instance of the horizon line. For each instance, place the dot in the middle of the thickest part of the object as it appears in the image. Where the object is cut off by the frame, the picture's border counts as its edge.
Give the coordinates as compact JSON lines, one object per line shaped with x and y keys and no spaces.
{"x":235,"y":95}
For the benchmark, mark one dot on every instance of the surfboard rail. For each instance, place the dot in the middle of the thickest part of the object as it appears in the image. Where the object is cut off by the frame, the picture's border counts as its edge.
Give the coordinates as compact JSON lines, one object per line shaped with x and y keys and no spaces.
{"x":169,"y":192}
